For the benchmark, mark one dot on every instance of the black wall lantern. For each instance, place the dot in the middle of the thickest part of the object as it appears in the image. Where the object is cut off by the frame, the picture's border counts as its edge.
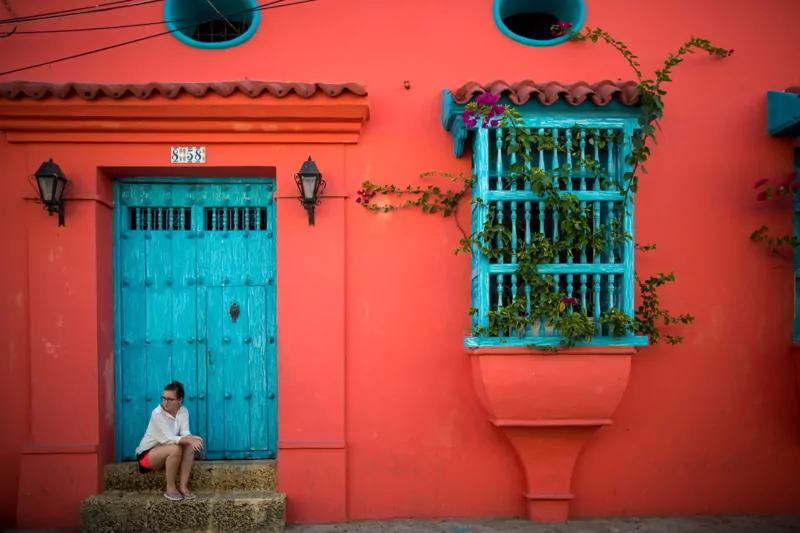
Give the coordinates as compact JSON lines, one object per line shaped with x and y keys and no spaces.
{"x":51,"y":185}
{"x":310,"y":184}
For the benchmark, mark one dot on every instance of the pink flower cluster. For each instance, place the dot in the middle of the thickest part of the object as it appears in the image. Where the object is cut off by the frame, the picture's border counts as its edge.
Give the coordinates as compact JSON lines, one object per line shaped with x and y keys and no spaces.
{"x":569,"y":301}
{"x":364,"y":196}
{"x":562,"y":27}
{"x":788,"y":186}
{"x":485,"y":108}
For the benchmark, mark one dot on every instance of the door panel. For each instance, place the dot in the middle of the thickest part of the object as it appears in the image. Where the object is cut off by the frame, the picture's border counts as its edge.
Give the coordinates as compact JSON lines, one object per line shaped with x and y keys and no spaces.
{"x":185,"y":253}
{"x":133,"y":409}
{"x":236,"y":371}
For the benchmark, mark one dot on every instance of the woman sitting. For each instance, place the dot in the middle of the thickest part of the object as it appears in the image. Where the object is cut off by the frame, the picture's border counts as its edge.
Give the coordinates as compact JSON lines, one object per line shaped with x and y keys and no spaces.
{"x":167,"y":443}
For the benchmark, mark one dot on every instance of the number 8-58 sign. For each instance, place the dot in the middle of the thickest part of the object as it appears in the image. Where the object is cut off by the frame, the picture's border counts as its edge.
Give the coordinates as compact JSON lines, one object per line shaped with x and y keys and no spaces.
{"x":188,"y":154}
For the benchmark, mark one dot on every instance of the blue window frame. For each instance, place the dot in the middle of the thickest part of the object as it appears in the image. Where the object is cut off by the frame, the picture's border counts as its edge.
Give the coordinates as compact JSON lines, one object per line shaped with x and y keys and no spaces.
{"x":599,"y":281}
{"x":529,"y":21}
{"x":783,"y":120}
{"x":212,"y":25}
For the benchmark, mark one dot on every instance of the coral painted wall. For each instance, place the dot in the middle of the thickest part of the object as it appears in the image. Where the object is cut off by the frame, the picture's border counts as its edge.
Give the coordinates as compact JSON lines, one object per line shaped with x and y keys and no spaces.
{"x":708,"y":427}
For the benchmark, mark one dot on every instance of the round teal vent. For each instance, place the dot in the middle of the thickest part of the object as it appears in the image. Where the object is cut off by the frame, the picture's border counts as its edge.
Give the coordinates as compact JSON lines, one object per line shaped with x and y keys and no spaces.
{"x":530,"y":22}
{"x":212,"y":24}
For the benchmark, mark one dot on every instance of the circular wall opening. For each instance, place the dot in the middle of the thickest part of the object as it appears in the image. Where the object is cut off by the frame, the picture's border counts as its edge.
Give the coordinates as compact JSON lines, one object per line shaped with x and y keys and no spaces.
{"x":215,"y":24}
{"x":530,"y":21}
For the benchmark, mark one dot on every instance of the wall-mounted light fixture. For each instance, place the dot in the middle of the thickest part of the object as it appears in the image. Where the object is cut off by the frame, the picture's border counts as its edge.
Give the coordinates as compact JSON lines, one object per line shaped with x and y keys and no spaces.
{"x":310,"y":184}
{"x":51,"y":184}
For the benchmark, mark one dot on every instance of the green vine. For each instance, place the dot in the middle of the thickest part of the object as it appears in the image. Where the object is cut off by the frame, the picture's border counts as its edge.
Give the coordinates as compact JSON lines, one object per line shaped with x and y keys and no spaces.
{"x":577,"y":229}
{"x":788,"y":187}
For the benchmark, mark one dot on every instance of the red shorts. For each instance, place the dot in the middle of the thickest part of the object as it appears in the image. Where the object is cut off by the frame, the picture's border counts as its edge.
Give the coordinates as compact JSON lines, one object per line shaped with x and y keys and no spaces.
{"x":144,"y":462}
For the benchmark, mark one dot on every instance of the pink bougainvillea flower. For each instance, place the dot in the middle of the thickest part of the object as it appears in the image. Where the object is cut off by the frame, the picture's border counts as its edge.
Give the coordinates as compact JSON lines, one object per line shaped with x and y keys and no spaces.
{"x":761,"y":196}
{"x":498,"y":109}
{"x":569,"y":301}
{"x":494,"y":123}
{"x":358,"y":200}
{"x":761,"y":183}
{"x":470,"y":122}
{"x":487,"y":99}
{"x":730,"y":51}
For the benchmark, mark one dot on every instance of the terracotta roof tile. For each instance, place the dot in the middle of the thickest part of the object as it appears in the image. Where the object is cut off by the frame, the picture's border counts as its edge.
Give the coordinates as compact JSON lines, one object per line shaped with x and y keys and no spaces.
{"x":548,"y":93}
{"x":91,"y":91}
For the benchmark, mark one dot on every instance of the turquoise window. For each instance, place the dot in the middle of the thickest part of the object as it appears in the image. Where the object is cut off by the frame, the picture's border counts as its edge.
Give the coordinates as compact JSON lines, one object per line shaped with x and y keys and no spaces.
{"x":784,"y":121}
{"x":212,"y":24}
{"x":597,"y":281}
{"x":530,"y":21}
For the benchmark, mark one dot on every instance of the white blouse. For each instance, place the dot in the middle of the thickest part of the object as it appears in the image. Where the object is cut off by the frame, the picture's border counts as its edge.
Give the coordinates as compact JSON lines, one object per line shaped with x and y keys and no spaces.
{"x":165,"y":429}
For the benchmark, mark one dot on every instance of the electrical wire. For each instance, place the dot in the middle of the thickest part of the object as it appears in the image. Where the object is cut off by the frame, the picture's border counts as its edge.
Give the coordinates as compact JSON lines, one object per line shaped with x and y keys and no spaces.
{"x":120,"y":26}
{"x":100,"y":28}
{"x":234,"y":28}
{"x":13,"y":14}
{"x":261,"y":7}
{"x":55,"y":14}
{"x":98,"y":8}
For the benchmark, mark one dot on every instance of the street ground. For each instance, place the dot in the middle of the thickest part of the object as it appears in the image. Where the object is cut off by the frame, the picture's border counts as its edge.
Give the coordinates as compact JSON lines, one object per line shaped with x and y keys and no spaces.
{"x":616,"y":525}
{"x":727,"y":524}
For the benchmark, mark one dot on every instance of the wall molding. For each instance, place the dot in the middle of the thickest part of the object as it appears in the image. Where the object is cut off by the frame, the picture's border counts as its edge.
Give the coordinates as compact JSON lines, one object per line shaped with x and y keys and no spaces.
{"x":319,"y":119}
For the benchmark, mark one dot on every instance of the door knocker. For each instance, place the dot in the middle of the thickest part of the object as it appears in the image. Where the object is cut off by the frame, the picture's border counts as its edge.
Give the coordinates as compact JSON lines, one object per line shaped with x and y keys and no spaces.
{"x":234,"y":312}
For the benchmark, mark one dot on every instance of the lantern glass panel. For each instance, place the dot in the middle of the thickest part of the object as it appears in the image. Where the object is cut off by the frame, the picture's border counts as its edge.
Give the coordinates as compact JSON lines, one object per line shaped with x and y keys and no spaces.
{"x":309,"y":184}
{"x":47,"y":188}
{"x":59,"y":193}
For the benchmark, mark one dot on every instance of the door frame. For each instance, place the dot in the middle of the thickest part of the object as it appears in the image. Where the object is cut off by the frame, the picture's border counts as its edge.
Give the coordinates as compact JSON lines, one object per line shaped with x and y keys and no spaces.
{"x":272,"y":367}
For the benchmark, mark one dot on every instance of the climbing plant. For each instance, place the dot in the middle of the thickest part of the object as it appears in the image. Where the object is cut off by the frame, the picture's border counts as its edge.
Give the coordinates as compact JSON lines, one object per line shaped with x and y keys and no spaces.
{"x":787,"y":187}
{"x":575,"y":228}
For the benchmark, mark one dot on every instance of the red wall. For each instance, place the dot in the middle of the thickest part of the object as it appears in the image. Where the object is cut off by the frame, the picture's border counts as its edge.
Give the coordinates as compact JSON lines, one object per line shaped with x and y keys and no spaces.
{"x":707,"y":427}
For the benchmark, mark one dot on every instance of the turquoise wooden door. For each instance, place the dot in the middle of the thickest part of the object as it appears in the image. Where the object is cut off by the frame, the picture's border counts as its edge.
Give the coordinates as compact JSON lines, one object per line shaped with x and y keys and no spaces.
{"x":195,"y":302}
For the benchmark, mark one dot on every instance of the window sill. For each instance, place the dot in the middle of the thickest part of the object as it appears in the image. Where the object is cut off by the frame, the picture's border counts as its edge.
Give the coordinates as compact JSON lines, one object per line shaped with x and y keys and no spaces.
{"x":542,"y":342}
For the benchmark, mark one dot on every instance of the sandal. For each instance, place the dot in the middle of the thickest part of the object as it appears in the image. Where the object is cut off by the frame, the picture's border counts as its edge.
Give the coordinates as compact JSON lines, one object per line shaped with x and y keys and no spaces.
{"x":173,"y":496}
{"x":188,"y":495}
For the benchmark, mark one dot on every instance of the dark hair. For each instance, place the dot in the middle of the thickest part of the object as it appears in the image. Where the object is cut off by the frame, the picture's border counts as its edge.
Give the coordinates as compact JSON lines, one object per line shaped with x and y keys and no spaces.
{"x":177,"y":388}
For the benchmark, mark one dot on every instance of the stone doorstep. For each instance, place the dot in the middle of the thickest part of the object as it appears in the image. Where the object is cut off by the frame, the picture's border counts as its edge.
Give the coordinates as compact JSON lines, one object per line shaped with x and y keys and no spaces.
{"x":212,"y":476}
{"x":129,"y":512}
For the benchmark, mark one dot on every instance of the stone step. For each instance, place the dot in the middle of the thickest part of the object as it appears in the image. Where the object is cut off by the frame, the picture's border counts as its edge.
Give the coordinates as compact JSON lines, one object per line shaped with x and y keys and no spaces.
{"x":149,"y":512}
{"x":212,"y":476}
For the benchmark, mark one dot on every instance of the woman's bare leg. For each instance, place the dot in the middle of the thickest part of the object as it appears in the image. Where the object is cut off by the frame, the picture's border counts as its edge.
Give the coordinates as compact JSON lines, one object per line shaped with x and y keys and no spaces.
{"x":168,"y":457}
{"x":186,"y":467}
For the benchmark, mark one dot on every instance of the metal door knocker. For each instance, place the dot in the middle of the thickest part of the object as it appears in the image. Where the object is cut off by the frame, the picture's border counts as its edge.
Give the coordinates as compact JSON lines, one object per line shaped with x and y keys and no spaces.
{"x":234,"y":312}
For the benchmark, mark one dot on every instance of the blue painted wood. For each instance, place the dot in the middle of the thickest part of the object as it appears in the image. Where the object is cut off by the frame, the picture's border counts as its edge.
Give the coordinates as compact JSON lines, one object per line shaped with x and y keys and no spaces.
{"x":523,"y":342}
{"x":522,"y":196}
{"x":563,"y":268}
{"x":629,"y":249}
{"x":797,"y":251}
{"x":606,"y":279}
{"x":572,"y":11}
{"x":181,"y":17}
{"x":479,"y":190}
{"x":535,"y":115}
{"x":185,"y":253}
{"x":499,"y":212}
{"x":783,"y":114}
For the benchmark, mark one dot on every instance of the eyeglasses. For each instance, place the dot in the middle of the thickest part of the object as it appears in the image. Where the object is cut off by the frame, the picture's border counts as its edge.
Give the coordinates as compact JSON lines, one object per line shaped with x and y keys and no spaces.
{"x":170,"y":400}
